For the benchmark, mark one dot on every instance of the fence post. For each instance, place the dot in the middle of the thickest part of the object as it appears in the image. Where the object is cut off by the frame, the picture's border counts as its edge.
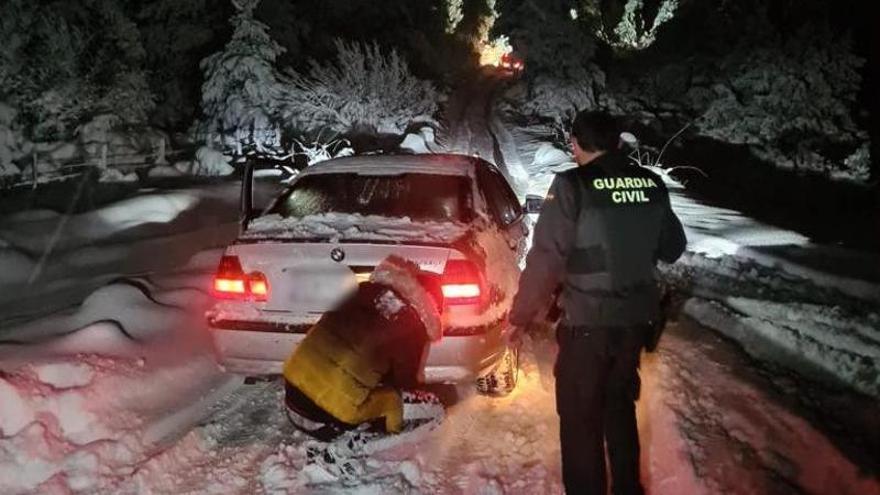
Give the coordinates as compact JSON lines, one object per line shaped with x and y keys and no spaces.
{"x":103,"y":165}
{"x":34,"y":171}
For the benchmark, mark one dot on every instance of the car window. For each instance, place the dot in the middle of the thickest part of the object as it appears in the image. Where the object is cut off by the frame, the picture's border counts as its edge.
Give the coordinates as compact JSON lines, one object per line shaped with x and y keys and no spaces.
{"x":502,"y":201}
{"x":417,"y":196}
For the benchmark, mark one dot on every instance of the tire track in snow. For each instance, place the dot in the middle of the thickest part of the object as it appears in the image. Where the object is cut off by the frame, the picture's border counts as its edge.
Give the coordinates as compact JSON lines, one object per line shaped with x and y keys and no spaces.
{"x":742,"y":435}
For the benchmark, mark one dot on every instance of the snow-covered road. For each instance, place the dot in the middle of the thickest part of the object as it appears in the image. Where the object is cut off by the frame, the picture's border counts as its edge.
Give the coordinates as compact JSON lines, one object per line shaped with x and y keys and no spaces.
{"x":767,"y":383}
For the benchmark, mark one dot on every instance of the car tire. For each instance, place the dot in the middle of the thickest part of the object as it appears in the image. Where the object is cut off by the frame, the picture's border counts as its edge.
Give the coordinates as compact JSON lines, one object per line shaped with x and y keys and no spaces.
{"x":501,"y":380}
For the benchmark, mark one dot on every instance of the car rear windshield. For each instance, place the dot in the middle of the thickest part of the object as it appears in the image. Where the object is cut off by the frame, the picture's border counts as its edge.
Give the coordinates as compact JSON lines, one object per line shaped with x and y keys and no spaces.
{"x":422,"y":197}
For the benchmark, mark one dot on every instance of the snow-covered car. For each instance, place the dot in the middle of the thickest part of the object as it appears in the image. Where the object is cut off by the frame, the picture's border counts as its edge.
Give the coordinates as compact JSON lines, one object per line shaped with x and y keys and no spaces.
{"x":455,"y":216}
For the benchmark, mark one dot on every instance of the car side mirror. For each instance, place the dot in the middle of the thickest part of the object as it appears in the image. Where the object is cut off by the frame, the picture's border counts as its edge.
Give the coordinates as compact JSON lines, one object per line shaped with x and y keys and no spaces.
{"x":533,"y":204}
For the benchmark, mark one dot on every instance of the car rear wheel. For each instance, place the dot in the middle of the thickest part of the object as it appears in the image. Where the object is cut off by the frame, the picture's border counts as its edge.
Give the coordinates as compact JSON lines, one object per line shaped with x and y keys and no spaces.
{"x":501,"y":380}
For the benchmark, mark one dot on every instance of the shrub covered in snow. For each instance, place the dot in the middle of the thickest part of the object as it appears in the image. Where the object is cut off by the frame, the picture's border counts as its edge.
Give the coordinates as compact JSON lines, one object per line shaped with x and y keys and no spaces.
{"x":362,"y":88}
{"x":561,"y":98}
{"x":786,"y":92}
{"x":211,"y":162}
{"x":789,"y":100}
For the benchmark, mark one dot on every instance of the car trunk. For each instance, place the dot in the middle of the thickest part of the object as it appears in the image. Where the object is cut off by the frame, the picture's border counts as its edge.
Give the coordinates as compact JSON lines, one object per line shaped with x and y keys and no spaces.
{"x":310,"y":278}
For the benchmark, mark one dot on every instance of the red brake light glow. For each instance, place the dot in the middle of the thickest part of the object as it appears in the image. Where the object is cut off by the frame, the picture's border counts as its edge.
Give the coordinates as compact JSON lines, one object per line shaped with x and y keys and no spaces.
{"x":460,"y":291}
{"x":462,"y":283}
{"x":230,"y":282}
{"x":258,"y":286}
{"x":229,"y":286}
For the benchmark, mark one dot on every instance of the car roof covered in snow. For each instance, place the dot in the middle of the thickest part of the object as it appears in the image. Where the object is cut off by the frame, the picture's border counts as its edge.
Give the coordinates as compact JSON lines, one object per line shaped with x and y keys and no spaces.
{"x":441,"y":164}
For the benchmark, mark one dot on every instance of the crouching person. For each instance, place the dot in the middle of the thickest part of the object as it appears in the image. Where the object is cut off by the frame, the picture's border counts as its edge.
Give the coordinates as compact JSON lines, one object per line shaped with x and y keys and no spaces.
{"x":351,"y":366}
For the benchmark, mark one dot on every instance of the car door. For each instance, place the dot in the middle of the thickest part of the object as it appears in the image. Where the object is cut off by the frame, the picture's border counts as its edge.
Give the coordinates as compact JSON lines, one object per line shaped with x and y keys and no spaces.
{"x":504,"y":208}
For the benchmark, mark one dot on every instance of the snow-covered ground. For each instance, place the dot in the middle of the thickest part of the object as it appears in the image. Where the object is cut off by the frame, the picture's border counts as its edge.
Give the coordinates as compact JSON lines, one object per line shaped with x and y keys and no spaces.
{"x":786,"y":300}
{"x":88,"y":395}
{"x":53,"y":259}
{"x":120,"y":393}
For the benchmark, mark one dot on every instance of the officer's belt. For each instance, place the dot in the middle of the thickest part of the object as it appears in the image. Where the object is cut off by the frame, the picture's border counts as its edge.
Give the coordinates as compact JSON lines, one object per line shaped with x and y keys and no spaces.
{"x":567,"y":332}
{"x":614,"y":294}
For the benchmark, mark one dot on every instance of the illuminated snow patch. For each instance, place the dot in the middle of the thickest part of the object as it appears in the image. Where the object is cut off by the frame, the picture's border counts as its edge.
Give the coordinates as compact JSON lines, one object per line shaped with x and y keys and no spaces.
{"x":492,"y":52}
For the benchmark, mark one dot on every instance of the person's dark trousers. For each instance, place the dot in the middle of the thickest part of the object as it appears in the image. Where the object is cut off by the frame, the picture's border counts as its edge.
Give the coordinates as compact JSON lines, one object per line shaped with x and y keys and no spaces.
{"x":597,"y":384}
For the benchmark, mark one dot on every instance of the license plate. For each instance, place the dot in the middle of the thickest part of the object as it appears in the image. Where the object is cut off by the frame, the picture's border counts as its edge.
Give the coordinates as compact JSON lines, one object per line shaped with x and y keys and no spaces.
{"x":313,"y":287}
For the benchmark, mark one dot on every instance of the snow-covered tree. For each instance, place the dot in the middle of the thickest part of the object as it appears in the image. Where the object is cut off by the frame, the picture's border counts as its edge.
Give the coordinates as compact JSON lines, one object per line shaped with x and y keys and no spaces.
{"x":790,"y":100}
{"x":120,"y":62}
{"x":362,"y":89}
{"x":558,"y":52}
{"x":454,"y":14}
{"x":176,"y":36}
{"x":241,"y":85}
{"x":61,"y":64}
{"x":785,"y":91}
{"x":628,"y":24}
{"x":477,"y":17}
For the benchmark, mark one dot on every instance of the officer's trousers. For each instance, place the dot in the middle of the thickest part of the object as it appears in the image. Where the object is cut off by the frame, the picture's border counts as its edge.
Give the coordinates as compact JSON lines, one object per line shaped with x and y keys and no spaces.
{"x":597,"y":384}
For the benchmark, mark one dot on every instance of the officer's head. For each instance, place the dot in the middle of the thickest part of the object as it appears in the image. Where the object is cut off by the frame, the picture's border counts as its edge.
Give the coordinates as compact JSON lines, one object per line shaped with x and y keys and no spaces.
{"x":592,"y":134}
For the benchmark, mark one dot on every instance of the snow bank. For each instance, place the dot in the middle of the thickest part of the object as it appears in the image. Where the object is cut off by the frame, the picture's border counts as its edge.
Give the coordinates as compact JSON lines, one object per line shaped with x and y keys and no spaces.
{"x":716,"y":232}
{"x":548,"y":156}
{"x":34,"y":235}
{"x":421,"y":143}
{"x":211,"y":162}
{"x":341,"y":226}
{"x":88,"y":395}
{"x":64,"y":375}
{"x":115,"y":317}
{"x":43,"y":253}
{"x":91,"y":434}
{"x":817,"y":340}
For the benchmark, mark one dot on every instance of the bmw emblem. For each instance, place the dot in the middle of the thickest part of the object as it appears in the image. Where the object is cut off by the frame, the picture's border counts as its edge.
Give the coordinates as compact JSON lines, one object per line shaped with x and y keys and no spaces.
{"x":337,"y":255}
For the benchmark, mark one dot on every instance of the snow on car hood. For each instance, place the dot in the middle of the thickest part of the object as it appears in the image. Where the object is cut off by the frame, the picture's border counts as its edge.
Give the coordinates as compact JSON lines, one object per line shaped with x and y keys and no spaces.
{"x":344,"y":226}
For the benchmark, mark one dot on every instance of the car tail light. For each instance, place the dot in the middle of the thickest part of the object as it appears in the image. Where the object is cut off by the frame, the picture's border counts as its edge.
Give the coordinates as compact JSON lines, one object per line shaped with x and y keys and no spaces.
{"x":462,"y":283}
{"x":259,"y":286}
{"x":230,"y":282}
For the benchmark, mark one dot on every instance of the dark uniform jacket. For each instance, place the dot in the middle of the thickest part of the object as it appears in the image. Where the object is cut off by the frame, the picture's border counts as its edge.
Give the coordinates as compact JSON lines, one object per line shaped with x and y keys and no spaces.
{"x":602,"y":229}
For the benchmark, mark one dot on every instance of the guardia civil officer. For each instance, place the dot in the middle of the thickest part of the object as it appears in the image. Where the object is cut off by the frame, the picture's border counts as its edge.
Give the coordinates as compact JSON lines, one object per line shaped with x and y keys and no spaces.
{"x":603,"y":226}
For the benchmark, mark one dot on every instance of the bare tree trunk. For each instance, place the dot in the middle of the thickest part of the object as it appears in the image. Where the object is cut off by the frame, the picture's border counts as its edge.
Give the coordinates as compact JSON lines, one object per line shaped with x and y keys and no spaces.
{"x":34,"y":171}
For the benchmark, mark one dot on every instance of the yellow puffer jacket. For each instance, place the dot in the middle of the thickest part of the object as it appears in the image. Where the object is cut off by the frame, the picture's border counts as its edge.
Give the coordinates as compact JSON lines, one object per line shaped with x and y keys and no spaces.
{"x":346,"y":360}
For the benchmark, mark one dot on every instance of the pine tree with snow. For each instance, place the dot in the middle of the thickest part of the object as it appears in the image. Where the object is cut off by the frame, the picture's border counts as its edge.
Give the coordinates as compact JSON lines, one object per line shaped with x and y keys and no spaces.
{"x":121,"y":60}
{"x":476,"y":19}
{"x":176,"y":37}
{"x":241,"y":84}
{"x":627,"y":24}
